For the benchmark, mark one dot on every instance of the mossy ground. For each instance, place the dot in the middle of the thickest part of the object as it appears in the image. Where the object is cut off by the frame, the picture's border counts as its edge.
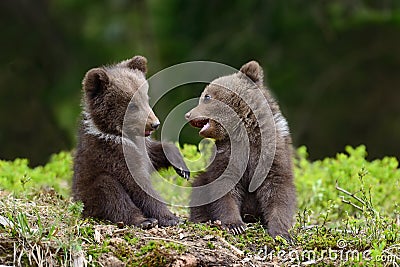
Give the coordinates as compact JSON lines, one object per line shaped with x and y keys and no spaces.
{"x":348,"y":215}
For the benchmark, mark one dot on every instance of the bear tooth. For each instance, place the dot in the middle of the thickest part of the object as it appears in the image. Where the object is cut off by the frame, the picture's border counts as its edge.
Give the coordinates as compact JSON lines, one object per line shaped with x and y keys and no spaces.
{"x":205,"y":127}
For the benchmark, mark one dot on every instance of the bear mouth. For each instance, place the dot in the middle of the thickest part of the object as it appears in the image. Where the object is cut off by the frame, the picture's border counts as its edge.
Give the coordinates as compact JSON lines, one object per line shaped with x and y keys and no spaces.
{"x":204,"y":124}
{"x":147,"y":133}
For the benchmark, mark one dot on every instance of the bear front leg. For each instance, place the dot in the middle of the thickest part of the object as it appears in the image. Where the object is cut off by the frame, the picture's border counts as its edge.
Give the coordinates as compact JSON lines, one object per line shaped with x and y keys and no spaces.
{"x":278,"y":202}
{"x":226,"y":210}
{"x":107,"y":199}
{"x":163,"y":155}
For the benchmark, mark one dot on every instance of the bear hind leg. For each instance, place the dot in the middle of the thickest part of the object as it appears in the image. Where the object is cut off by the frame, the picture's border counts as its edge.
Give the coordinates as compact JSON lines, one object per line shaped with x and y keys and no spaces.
{"x":106,"y":199}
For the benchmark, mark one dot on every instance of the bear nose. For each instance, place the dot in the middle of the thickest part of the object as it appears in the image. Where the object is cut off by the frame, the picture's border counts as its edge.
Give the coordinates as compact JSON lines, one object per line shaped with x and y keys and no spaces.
{"x":155,"y":125}
{"x":187,"y":115}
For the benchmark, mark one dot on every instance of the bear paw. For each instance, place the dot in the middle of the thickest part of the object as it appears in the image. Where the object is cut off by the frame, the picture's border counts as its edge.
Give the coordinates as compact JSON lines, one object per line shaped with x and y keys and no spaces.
{"x":169,"y":221}
{"x":148,"y":223}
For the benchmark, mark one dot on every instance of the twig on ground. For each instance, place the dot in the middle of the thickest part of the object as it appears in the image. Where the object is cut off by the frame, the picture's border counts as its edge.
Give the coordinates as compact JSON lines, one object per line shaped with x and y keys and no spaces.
{"x":122,"y":230}
{"x":350,"y":194}
{"x":350,"y":203}
{"x":235,"y":249}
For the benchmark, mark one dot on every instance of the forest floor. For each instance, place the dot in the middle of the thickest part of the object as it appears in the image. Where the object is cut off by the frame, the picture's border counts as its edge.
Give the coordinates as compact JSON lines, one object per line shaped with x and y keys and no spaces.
{"x":45,"y":229}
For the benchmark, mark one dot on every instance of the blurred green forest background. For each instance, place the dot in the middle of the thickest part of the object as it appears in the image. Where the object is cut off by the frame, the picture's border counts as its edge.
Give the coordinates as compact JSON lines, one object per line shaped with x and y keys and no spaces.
{"x":333,"y":65}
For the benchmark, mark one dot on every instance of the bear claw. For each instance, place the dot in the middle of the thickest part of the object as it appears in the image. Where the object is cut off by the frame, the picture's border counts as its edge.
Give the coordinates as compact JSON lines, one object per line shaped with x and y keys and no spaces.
{"x":235,"y":229}
{"x":183,"y":173}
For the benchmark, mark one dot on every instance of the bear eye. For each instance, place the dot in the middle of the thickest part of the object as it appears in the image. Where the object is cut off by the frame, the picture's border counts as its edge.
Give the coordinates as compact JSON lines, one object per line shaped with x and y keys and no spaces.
{"x":207,"y":97}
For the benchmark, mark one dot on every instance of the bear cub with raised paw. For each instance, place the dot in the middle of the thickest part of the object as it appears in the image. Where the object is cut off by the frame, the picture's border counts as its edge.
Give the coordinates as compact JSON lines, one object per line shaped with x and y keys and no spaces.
{"x":239,"y":112}
{"x":102,"y":179}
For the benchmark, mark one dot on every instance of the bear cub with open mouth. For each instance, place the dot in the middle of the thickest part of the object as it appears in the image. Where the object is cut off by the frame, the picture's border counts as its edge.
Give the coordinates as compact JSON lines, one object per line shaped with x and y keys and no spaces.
{"x":237,"y":110}
{"x":115,"y":97}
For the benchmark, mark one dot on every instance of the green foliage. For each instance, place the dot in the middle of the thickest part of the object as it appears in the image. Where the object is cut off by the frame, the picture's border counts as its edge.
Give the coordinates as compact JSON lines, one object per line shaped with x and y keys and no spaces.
{"x":18,"y":177}
{"x":175,"y":189}
{"x":198,"y":157}
{"x":376,"y":181}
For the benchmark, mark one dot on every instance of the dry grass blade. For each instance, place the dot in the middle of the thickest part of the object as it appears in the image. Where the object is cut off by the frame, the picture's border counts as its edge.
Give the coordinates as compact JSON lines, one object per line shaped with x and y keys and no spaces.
{"x":349,"y":194}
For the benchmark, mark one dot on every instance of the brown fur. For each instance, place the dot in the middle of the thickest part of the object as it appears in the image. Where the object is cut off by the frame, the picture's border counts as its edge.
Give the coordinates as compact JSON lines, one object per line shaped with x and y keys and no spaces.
{"x":274,"y":202}
{"x":102,"y":180}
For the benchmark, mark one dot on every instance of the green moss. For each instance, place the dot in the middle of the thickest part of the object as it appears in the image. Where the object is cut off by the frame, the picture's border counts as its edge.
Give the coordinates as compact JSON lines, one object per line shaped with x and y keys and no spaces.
{"x":210,"y":245}
{"x":131,"y":239}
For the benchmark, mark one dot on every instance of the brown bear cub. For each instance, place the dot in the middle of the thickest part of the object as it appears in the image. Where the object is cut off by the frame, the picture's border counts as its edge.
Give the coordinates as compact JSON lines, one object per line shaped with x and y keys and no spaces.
{"x":246,"y":194}
{"x":103,"y":179}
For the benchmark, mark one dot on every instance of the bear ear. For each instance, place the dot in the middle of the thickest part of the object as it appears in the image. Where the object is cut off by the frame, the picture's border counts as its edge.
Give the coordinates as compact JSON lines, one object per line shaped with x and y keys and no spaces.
{"x":138,"y":62}
{"x":254,"y":71}
{"x":95,"y":81}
